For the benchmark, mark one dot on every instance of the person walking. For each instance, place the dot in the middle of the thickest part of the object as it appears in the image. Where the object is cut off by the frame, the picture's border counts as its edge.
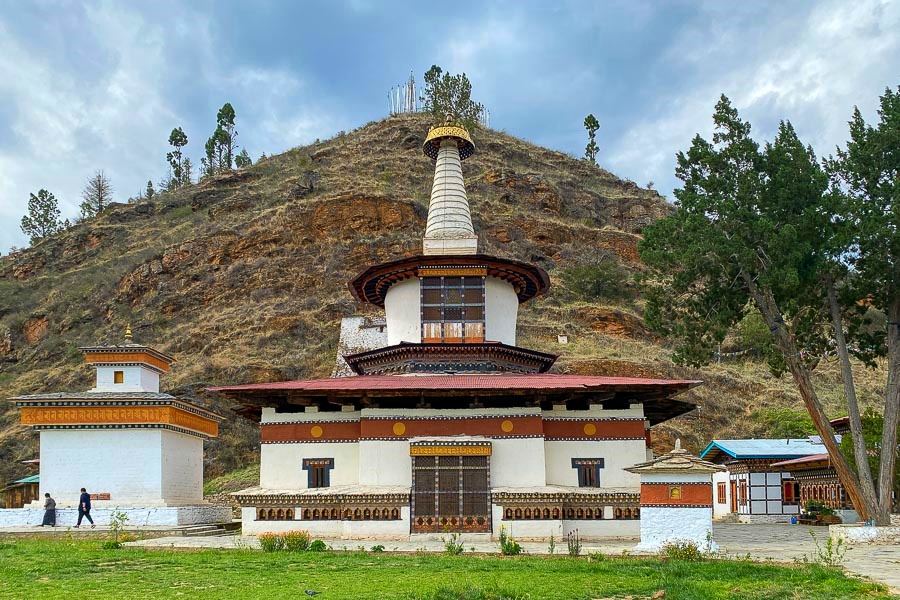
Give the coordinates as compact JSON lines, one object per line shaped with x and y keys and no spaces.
{"x":49,"y":511}
{"x":84,"y":508}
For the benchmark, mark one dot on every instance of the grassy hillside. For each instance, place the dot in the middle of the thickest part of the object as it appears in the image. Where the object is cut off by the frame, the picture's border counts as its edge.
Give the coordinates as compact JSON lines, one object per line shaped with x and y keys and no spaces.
{"x":243,"y":278}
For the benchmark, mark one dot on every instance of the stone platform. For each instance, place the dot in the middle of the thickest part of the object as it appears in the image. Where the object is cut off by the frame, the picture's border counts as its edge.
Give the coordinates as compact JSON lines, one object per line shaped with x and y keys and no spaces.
{"x":169,"y":516}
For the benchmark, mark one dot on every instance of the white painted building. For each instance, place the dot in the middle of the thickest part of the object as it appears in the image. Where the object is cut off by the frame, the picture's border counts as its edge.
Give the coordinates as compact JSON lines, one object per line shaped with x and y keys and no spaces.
{"x":135,"y":449}
{"x":447,"y":425}
{"x":752,"y":488}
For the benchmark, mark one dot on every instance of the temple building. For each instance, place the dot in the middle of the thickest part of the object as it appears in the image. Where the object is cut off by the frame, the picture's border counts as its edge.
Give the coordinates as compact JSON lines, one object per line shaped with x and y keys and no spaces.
{"x":136,"y":450}
{"x":445,"y":423}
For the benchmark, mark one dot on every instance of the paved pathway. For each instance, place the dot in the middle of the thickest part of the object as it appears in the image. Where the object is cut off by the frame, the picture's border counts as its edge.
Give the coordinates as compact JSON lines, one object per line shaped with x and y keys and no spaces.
{"x":761,"y":542}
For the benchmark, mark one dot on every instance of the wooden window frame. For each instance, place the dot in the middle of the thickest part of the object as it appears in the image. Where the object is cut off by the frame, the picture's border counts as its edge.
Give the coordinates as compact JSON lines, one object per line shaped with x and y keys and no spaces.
{"x":471,"y":330}
{"x":118,"y":377}
{"x":318,"y":472}
{"x":588,"y":470}
{"x":721,"y":494}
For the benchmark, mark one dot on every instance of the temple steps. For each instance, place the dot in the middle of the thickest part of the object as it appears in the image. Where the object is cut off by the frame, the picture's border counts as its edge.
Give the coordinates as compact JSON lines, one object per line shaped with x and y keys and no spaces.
{"x":208,"y":531}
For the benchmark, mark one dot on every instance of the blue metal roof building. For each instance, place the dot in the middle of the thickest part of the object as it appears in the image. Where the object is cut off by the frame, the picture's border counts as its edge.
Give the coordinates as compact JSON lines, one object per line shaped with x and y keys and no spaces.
{"x":724,"y":450}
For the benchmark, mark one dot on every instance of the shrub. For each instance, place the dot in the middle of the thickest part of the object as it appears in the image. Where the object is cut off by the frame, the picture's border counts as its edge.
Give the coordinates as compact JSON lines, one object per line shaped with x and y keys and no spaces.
{"x":829,"y":554}
{"x":318,"y":546}
{"x":378,"y":548}
{"x":452,"y":545}
{"x":271,"y":542}
{"x":602,"y":279}
{"x":573,"y":543}
{"x":508,"y":546}
{"x":111,"y":545}
{"x":682,"y":550}
{"x":296,"y":541}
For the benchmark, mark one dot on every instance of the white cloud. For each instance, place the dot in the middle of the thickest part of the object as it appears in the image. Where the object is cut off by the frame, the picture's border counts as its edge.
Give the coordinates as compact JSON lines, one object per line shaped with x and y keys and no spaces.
{"x":114,"y":109}
{"x":811,"y":73}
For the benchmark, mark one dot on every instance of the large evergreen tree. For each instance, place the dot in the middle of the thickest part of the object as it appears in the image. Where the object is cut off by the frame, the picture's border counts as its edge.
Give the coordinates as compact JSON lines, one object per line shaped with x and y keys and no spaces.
{"x":760,"y":230}
{"x":447,"y":94}
{"x":43,"y":217}
{"x":867,"y":174}
{"x":96,"y":195}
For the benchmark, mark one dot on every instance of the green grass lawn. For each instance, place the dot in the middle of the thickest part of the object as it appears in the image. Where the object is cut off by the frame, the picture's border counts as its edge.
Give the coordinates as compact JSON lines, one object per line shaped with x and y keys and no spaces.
{"x":66,"y":569}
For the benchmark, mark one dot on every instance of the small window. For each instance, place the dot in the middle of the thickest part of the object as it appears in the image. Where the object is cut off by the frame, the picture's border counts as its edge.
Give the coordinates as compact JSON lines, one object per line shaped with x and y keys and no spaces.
{"x":588,"y":471}
{"x":791,"y":492}
{"x":742,"y":493}
{"x":118,"y":376}
{"x":720,"y":493}
{"x":318,"y":472}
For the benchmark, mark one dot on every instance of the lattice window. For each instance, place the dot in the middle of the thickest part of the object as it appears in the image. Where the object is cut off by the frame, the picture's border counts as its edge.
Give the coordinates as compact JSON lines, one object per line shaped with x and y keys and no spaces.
{"x":452,"y":309}
{"x":721,"y":498}
{"x":451,"y":493}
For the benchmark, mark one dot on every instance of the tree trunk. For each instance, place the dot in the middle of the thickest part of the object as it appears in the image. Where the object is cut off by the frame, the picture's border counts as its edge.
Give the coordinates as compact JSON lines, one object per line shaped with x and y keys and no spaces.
{"x":785,"y":342}
{"x":860,"y":454}
{"x":891,"y":415}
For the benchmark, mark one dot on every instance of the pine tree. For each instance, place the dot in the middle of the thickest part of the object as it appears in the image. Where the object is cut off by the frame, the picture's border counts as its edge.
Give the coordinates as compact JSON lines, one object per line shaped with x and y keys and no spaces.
{"x":178,"y":140}
{"x":96,"y":195}
{"x":592,"y":125}
{"x":243,"y":159}
{"x":150,"y":191}
{"x":43,"y":217}
{"x":187,"y":172}
{"x":447,"y":94}
{"x":225,"y":135}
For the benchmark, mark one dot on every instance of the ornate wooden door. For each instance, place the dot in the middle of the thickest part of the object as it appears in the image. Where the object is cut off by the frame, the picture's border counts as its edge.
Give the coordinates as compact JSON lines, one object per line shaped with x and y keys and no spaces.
{"x":451,"y":493}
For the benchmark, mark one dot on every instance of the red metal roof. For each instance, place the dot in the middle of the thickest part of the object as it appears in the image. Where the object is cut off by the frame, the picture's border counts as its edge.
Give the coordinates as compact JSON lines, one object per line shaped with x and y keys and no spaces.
{"x":802,"y":460}
{"x":536,"y":381}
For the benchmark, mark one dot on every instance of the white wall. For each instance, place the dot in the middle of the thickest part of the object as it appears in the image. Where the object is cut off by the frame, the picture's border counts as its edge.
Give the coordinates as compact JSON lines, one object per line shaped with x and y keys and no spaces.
{"x":721,"y":510}
{"x":182,"y":468}
{"x":661,"y":525}
{"x":124,"y":462}
{"x":135,"y":379}
{"x":501,"y":308}
{"x":616,"y":455}
{"x":404,"y":319}
{"x":135,"y":466}
{"x":402,"y":312}
{"x":384,"y":462}
{"x":281,"y":465}
{"x":517,"y":462}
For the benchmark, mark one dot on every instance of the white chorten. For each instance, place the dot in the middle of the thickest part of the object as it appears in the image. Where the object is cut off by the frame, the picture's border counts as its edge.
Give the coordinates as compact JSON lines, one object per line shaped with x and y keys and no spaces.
{"x":449,"y":229}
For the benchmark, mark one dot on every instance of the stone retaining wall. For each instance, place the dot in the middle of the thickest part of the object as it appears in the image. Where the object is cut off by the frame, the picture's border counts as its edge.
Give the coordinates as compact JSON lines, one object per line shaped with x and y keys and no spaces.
{"x":860,"y":534}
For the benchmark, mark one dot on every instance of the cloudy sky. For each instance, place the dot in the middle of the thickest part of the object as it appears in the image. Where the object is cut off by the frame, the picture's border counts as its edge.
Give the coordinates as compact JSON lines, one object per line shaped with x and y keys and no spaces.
{"x":99,"y":85}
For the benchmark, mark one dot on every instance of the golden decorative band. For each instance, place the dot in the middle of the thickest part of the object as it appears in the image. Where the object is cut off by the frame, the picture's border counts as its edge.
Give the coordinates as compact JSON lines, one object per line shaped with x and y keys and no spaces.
{"x":450,"y":450}
{"x":118,"y":415}
{"x":454,"y":272}
{"x":99,"y":358}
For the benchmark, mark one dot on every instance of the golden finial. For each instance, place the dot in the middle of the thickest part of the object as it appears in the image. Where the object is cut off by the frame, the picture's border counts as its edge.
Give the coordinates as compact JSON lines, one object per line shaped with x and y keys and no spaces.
{"x":128,"y":336}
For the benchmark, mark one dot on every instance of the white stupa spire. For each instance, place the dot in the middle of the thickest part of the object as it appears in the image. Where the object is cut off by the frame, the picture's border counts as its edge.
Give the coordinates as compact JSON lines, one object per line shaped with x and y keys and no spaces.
{"x":449,"y":229}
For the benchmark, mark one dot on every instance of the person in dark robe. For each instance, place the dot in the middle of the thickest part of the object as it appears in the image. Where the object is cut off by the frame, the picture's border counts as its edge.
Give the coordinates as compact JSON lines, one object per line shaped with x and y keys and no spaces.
{"x":84,"y":508}
{"x":49,"y":511}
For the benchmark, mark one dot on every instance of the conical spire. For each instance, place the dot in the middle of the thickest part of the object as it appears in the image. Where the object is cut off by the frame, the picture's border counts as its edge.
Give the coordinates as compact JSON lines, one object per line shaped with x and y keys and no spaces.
{"x":449,"y":229}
